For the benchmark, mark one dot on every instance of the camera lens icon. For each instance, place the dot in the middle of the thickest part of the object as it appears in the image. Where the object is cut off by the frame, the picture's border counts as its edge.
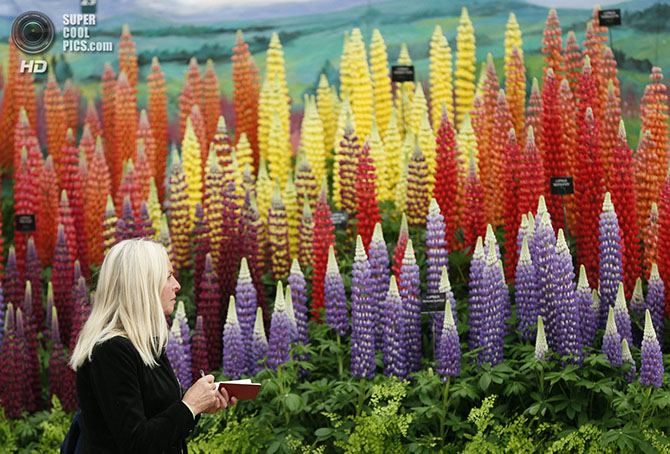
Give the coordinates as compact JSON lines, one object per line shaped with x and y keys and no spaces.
{"x":33,"y":32}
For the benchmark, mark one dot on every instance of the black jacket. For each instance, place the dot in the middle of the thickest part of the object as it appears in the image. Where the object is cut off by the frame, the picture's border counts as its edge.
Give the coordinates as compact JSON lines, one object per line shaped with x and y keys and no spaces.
{"x":129,"y":407}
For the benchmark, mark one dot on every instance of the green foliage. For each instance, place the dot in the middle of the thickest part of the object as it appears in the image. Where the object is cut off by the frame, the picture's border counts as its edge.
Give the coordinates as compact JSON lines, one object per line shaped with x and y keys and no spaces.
{"x":229,"y":433}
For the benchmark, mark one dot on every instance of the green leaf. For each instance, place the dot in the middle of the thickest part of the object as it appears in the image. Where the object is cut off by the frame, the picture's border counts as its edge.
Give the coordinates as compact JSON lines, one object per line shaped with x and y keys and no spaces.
{"x":485,"y":381}
{"x":323,"y":432}
{"x":293,"y":402}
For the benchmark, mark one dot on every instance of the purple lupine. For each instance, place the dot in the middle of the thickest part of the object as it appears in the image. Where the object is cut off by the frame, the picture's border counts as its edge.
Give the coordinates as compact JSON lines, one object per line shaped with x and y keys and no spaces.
{"x":541,"y":347}
{"x":362,"y":321}
{"x":125,"y":225}
{"x":530,"y":234}
{"x":299,"y":295}
{"x":626,"y":357}
{"x":541,"y":210}
{"x":34,"y":275}
{"x":637,"y":307}
{"x":621,"y":316}
{"x":259,"y":344}
{"x":61,"y":376}
{"x":477,"y":294}
{"x":611,"y":266}
{"x":394,"y":350}
{"x":50,"y":306}
{"x":288,"y":299}
{"x":490,"y":238}
{"x":526,"y":292}
{"x":438,"y":317}
{"x":651,"y":364}
{"x":61,"y":276}
{"x":336,"y":299}
{"x":379,"y":279}
{"x":280,"y":329}
{"x":12,"y":391}
{"x":245,"y":300}
{"x":448,"y":354}
{"x":655,"y":302}
{"x":180,"y":362}
{"x":410,"y":293}
{"x":182,"y":320}
{"x":612,"y":341}
{"x":144,"y":227}
{"x":589,"y":317}
{"x":522,"y":233}
{"x":11,"y":282}
{"x":234,"y":350}
{"x":207,"y":304}
{"x":81,"y":307}
{"x":198,"y":350}
{"x":2,"y":317}
{"x":493,"y":309}
{"x":566,"y":311}
{"x":544,"y":258}
{"x":436,"y":246}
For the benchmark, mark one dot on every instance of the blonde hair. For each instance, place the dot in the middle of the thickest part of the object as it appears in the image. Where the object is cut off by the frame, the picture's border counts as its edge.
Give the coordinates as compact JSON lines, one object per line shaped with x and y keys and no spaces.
{"x":127,"y":301}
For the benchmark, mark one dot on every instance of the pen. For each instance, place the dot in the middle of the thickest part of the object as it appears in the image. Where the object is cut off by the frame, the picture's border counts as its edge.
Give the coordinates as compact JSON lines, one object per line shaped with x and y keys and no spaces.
{"x":202,"y":373}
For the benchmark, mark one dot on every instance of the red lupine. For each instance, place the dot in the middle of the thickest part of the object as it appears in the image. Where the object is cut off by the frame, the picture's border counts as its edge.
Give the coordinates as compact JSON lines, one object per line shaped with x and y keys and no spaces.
{"x":158,"y":120}
{"x":24,"y":95}
{"x":367,"y":208}
{"x":488,"y":160}
{"x":186,"y":103}
{"x":589,"y":190}
{"x":474,"y":220}
{"x":208,"y":306}
{"x":552,"y":46}
{"x":609,"y":128}
{"x":61,"y":278}
{"x":478,"y":116}
{"x":195,"y":81}
{"x":24,"y":137}
{"x":34,"y":276}
{"x":55,"y":120}
{"x":502,"y":123}
{"x":61,"y":376}
{"x":47,"y":212}
{"x":201,"y":243}
{"x":594,"y":49}
{"x":569,"y":142}
{"x":10,"y":111}
{"x":25,"y":202}
{"x":146,"y":134}
{"x":98,"y":187}
{"x":108,"y":86}
{"x":129,"y":187}
{"x":125,"y":127}
{"x":128,"y":59}
{"x":399,"y":251}
{"x":246,"y":92}
{"x":534,"y":109}
{"x":622,"y":190}
{"x":512,"y":171}
{"x":211,"y":107}
{"x":447,"y":192}
{"x":587,"y":95}
{"x":531,"y":183}
{"x":572,"y":59}
{"x":92,"y":119}
{"x":323,"y":238}
{"x":663,"y":245}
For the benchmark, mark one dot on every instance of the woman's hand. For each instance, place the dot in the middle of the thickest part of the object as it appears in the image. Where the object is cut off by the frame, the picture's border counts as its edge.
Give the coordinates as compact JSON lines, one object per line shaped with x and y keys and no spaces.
{"x":203,"y":397}
{"x":227,"y":401}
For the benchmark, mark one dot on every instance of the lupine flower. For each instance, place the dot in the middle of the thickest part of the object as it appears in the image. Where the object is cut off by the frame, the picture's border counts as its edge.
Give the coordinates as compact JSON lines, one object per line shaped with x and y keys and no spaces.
{"x":367,"y":194}
{"x":14,"y":391}
{"x":198,"y":350}
{"x":447,"y":192}
{"x":336,"y":299}
{"x":526,"y":292}
{"x":81,"y":306}
{"x":612,"y":341}
{"x":34,"y":275}
{"x":474,"y":218}
{"x":290,"y":199}
{"x":280,"y":329}
{"x":436,"y":246}
{"x":362,"y":318}
{"x":62,"y":283}
{"x":493,"y":310}
{"x":409,"y":291}
{"x":541,"y":347}
{"x":61,"y":376}
{"x":255,"y":248}
{"x":621,"y":315}
{"x":565,"y":311}
{"x":234,"y":351}
{"x":144,"y":227}
{"x":2,"y":317}
{"x":278,"y":236}
{"x":394,"y":349}
{"x":477,"y":294}
{"x":651,"y":364}
{"x":306,"y":184}
{"x":655,"y":300}
{"x":637,"y":307}
{"x":399,"y":252}
{"x":626,"y":357}
{"x":322,"y":239}
{"x":611,"y":265}
{"x":259,"y":344}
{"x":379,"y":278}
{"x":438,"y":317}
{"x":418,"y":192}
{"x":201,"y":241}
{"x":543,"y":255}
{"x":178,"y":213}
{"x":245,"y":294}
{"x":296,"y":281}
{"x":448,"y":354}
{"x":11,"y":282}
{"x":584,"y":300}
{"x":291,"y":314}
{"x":179,"y":359}
{"x":231,"y":243}
{"x":125,"y":225}
{"x":305,"y":232}
{"x":207,"y":304}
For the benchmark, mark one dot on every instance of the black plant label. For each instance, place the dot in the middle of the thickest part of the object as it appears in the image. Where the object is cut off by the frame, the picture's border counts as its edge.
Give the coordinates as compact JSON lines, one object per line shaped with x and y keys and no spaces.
{"x":609,"y":17}
{"x":25,"y":223}
{"x":433,"y":302}
{"x":340,"y":219}
{"x":562,"y":185}
{"x":402,"y":73}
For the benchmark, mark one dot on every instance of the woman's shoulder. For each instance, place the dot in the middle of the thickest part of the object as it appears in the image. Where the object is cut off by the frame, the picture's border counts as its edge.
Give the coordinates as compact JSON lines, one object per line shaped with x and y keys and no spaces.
{"x":117,"y":346}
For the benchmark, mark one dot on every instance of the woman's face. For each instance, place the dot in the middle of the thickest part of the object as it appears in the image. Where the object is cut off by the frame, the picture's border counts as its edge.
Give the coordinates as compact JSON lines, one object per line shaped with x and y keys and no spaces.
{"x":169,"y":293}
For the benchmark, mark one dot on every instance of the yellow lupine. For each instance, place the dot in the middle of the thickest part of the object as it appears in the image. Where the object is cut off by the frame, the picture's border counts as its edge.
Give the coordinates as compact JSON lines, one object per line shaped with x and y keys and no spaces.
{"x":326,"y":108}
{"x":404,"y":91}
{"x":428,"y":148}
{"x":401,"y":188}
{"x":238,"y":178}
{"x":381,"y":163}
{"x":393,"y":150}
{"x":467,"y":142}
{"x":344,"y":115}
{"x":360,"y":95}
{"x":479,"y":90}
{"x":346,"y":75}
{"x":290,"y":197}
{"x":339,"y":156}
{"x":512,"y":38}
{"x":279,"y":160}
{"x":311,"y":139}
{"x":274,"y":64}
{"x":419,"y":106}
{"x":268,"y":102}
{"x":154,"y":206}
{"x":381,"y":81}
{"x":244,"y":152}
{"x":192,"y":163}
{"x":441,"y":77}
{"x":263,"y":190}
{"x":464,"y":85}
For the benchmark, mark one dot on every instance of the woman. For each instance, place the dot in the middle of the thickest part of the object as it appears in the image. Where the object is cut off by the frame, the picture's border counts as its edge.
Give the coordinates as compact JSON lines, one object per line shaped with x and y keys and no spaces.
{"x":130,"y":398}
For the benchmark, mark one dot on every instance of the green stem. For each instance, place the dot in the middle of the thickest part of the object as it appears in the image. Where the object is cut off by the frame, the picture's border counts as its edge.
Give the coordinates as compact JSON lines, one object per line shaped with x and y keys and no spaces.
{"x":646,"y":407}
{"x":361,"y":397}
{"x":443,"y":413}
{"x":340,"y":366}
{"x":541,"y":380}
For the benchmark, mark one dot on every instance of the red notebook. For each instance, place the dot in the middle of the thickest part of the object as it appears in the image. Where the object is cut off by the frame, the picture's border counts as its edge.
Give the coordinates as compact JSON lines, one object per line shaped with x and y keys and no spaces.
{"x":242,"y":389}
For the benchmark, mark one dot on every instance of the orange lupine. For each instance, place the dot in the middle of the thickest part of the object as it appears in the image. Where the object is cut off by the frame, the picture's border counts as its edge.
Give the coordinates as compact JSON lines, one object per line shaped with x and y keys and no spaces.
{"x":552,"y":46}
{"x":125,"y":128}
{"x":158,"y":119}
{"x":212,"y":107}
{"x":186,"y":102}
{"x":97,"y":187}
{"x":55,"y":119}
{"x":108,"y":110}
{"x":10,"y":112}
{"x":246,"y":92}
{"x":515,"y":88}
{"x":146,"y":134}
{"x":71,"y":105}
{"x":127,"y":58}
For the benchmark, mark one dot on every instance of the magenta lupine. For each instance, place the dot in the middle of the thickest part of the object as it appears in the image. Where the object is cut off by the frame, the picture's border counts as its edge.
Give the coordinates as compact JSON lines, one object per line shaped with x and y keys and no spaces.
{"x":259,"y":344}
{"x":231,"y":244}
{"x":394,"y":348}
{"x":125,"y":225}
{"x":278,"y":236}
{"x":626,"y":357}
{"x":208,"y":305}
{"x":34,"y":276}
{"x":143,"y":225}
{"x":541,"y":346}
{"x":81,"y":307}
{"x":280,"y":329}
{"x":11,"y":282}
{"x":612,"y":340}
{"x":654,"y":302}
{"x":198,"y":350}
{"x":13,"y":391}
{"x":234,"y":347}
{"x":526,"y":292}
{"x":61,"y":376}
{"x":410,"y":293}
{"x":611,"y":265}
{"x":336,"y":299}
{"x":62,"y":280}
{"x":32,"y":390}
{"x":448,"y":350}
{"x":436,"y":246}
{"x":379,"y":278}
{"x":651,"y":364}
{"x":245,"y":297}
{"x":200,"y":243}
{"x":565,"y":312}
{"x":296,"y":280}
{"x":179,"y":359}
{"x":254,"y":248}
{"x":2,"y":317}
{"x":543,"y":255}
{"x":362,"y":318}
{"x":477,"y":294}
{"x":589,"y":318}
{"x":621,"y":316}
